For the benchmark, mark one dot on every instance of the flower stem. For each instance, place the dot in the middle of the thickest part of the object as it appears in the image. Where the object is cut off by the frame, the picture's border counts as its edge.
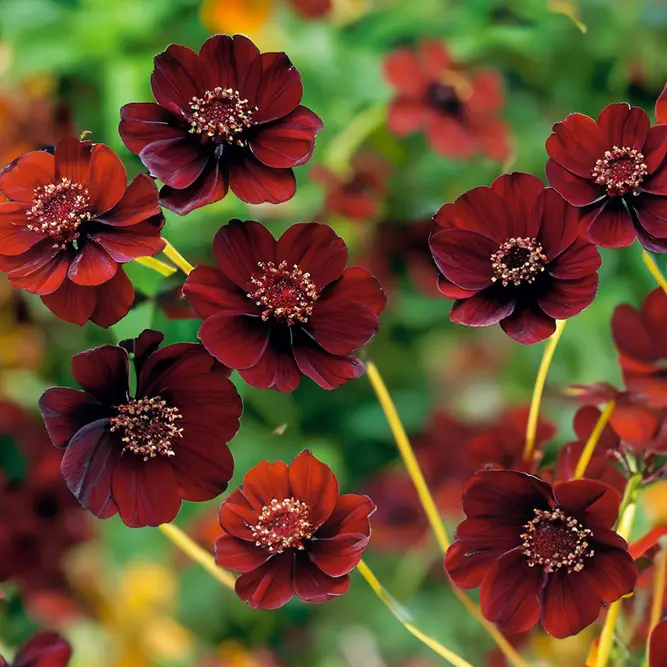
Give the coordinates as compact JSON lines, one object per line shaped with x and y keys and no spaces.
{"x":155,"y":264}
{"x":547,"y":358}
{"x":655,"y":271}
{"x":197,"y":554}
{"x":393,"y":606}
{"x":592,"y":441}
{"x":627,"y":518}
{"x":177,"y":258}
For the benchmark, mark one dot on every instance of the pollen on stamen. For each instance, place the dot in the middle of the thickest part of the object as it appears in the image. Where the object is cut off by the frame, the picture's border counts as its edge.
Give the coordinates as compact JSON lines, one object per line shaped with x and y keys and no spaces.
{"x":283,"y":524}
{"x":620,"y":170}
{"x":518,"y":260}
{"x":147,"y":427}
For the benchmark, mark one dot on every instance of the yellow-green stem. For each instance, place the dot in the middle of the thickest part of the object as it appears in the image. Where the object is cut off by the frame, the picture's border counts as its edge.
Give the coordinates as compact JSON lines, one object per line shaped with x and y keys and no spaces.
{"x":592,"y":441}
{"x":161,"y":267}
{"x":177,"y":258}
{"x":655,"y":271}
{"x":197,"y":554}
{"x":533,"y":414}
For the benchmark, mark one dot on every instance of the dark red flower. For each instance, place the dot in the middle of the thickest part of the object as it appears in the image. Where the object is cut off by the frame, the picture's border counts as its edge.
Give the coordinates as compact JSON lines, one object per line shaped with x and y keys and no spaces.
{"x":140,"y":455}
{"x":70,"y":223}
{"x":511,"y":254}
{"x":228,"y":117}
{"x":615,"y":168}
{"x":457,"y":109}
{"x":44,"y":649}
{"x":661,"y":107}
{"x":657,"y":648}
{"x":279,"y":309}
{"x":540,"y":553}
{"x":288,"y":532}
{"x":312,"y":9}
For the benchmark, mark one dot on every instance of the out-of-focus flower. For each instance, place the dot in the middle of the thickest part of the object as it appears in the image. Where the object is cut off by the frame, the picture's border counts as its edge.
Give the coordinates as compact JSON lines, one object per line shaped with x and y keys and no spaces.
{"x":456,"y":107}
{"x":279,"y":309}
{"x":657,"y":649}
{"x":312,"y":9}
{"x":661,"y":107}
{"x":44,"y":649}
{"x":247,"y":17}
{"x":288,"y":532}
{"x":140,"y":456}
{"x":511,"y":253}
{"x":228,"y":117}
{"x":233,"y":654}
{"x":70,"y":223}
{"x":540,"y":553}
{"x":615,"y":169}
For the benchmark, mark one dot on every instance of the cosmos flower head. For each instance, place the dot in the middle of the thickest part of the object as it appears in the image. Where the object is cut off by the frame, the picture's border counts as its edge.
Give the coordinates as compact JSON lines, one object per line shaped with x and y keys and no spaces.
{"x":70,"y":223}
{"x":289,"y":532}
{"x":140,"y":455}
{"x":227,"y":117}
{"x":279,"y":309}
{"x":43,"y":649}
{"x":511,"y":253}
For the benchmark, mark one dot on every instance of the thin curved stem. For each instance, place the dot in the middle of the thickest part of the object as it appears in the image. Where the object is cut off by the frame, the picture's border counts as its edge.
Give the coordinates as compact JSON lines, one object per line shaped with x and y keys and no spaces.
{"x":592,"y":441}
{"x":655,"y":271}
{"x":191,"y":549}
{"x":161,"y":267}
{"x":547,"y":358}
{"x":177,"y":258}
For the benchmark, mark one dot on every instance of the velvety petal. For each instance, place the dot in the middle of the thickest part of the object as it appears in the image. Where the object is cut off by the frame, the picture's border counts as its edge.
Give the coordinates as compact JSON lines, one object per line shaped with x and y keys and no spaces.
{"x":15,"y":238}
{"x":210,"y":187}
{"x":66,"y":410}
{"x":481,"y":210}
{"x":567,"y":298}
{"x":21,"y":177}
{"x":41,"y":270}
{"x":92,"y":266}
{"x":208,"y":291}
{"x":631,"y":336}
{"x":650,"y":242}
{"x":651,"y":214}
{"x":569,"y":604}
{"x":585,"y":420}
{"x":451,"y":291}
{"x":404,"y":72}
{"x":139,"y":203}
{"x":519,"y":191}
{"x":237,"y":516}
{"x":314,"y":483}
{"x":44,"y":649}
{"x":356,"y":285}
{"x":255,"y":183}
{"x":661,"y":117}
{"x":114,"y":299}
{"x":276,"y":368}
{"x":177,"y":161}
{"x":657,"y":648}
{"x":528,"y":325}
{"x":316,"y":249}
{"x":406,"y":115}
{"x":104,"y":373}
{"x":72,"y":302}
{"x":592,"y":502}
{"x":634,"y":423}
{"x":280,"y":88}
{"x":143,"y":123}
{"x":467,"y":565}
{"x":654,"y":312}
{"x":271,"y":585}
{"x":624,"y":125}
{"x":485,"y":308}
{"x":108,"y":179}
{"x":142,"y":347}
{"x":288,"y":142}
{"x":313,"y":585}
{"x":339,"y":555}
{"x":72,"y":160}
{"x":612,"y":226}
{"x":176,"y":78}
{"x":578,"y":190}
{"x":581,"y":259}
{"x":577,"y":143}
{"x":239,"y":555}
{"x":237,"y":341}
{"x":266,"y":482}
{"x":88,"y":465}
{"x":124,"y":244}
{"x":490,"y":532}
{"x":558,"y":223}
{"x":448,"y":136}
{"x":655,"y":150}
{"x":611,"y":573}
{"x":342,"y":328}
{"x":350,"y":515}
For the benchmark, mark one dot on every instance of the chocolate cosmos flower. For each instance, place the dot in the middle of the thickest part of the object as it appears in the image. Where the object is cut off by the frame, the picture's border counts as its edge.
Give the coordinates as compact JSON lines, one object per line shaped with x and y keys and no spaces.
{"x":70,"y":222}
{"x":511,"y":254}
{"x":44,"y":649}
{"x":615,"y":168}
{"x":289,"y":533}
{"x":540,"y":553}
{"x":657,"y":648}
{"x":279,"y":309}
{"x":229,"y":116}
{"x":140,"y":455}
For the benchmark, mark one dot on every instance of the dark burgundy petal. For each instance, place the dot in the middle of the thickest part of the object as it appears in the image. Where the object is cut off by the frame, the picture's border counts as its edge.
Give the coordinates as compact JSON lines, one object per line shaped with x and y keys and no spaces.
{"x":631,"y":335}
{"x":314,"y":483}
{"x":651,"y":214}
{"x":350,"y":515}
{"x":313,"y":585}
{"x":611,"y":226}
{"x":144,"y":123}
{"x":178,"y":161}
{"x":342,"y":328}
{"x":92,"y":266}
{"x":124,"y":244}
{"x":72,"y":302}
{"x":237,"y":516}
{"x":657,"y":648}
{"x":579,"y":260}
{"x":567,"y":298}
{"x":448,"y":136}
{"x":143,"y":346}
{"x":490,"y":532}
{"x":624,"y":125}
{"x":108,"y":179}
{"x":15,"y":239}
{"x":104,"y":373}
{"x":280,"y":88}
{"x":528,"y":325}
{"x":611,"y":573}
{"x":649,"y":242}
{"x":655,"y":150}
{"x":73,"y":160}
{"x":653,"y":312}
{"x":577,"y":143}
{"x":276,"y":368}
{"x":271,"y":585}
{"x":451,"y":291}
{"x":406,"y":115}
{"x":210,"y":187}
{"x":208,"y":291}
{"x":113,"y":300}
{"x":510,"y":592}
{"x":237,"y":341}
{"x":22,"y":176}
{"x":339,"y":555}
{"x":139,"y":203}
{"x":66,"y":410}
{"x":41,"y":270}
{"x":558,"y":223}
{"x":485,"y":308}
{"x":88,"y":465}
{"x":316,"y":249}
{"x":482,"y":210}
{"x":577,"y":190}
{"x":467,"y":564}
{"x":238,"y":248}
{"x":239,"y":555}
{"x":569,"y":604}
{"x":404,"y":72}
{"x":255,"y":183}
{"x":177,"y":78}
{"x":592,"y":502}
{"x":661,"y":117}
{"x":356,"y":285}
{"x":266,"y":482}
{"x":44,"y":649}
{"x":288,"y":142}
{"x":520,"y":191}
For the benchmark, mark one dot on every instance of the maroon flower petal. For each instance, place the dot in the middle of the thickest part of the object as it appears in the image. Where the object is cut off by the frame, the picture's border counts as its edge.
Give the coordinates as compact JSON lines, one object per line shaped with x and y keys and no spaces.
{"x":143,"y":123}
{"x":44,"y":649}
{"x":177,"y":78}
{"x":404,"y":72}
{"x":208,"y":291}
{"x":519,"y":191}
{"x":276,"y":368}
{"x":558,"y":223}
{"x":350,"y":515}
{"x":339,"y":555}
{"x":108,"y":179}
{"x":448,"y":136}
{"x":22,"y":176}
{"x":482,"y":210}
{"x":72,"y":302}
{"x":631,"y":335}
{"x":313,"y":585}
{"x":356,"y":285}
{"x":451,"y":291}
{"x":577,"y":143}
{"x":567,"y":298}
{"x":579,"y":260}
{"x":72,"y":159}
{"x":266,"y":482}
{"x":104,"y":373}
{"x":467,"y":564}
{"x":592,"y":502}
{"x":280,"y":89}
{"x":483,"y":309}
{"x":661,"y":117}
{"x":611,"y":226}
{"x":652,"y":214}
{"x":655,"y":150}
{"x":237,"y":341}
{"x":139,"y":203}
{"x":41,"y":270}
{"x":15,"y":239}
{"x":88,"y":465}
{"x":237,"y":516}
{"x":288,"y":142}
{"x":239,"y":555}
{"x":657,"y":648}
{"x":342,"y":328}
{"x":405,"y":116}
{"x":649,"y":242}
{"x":66,"y":410}
{"x":316,"y":249}
{"x":178,"y":161}
{"x":92,"y":266}
{"x":492,"y":532}
{"x":510,"y":591}
{"x":577,"y":190}
{"x":210,"y":187}
{"x":314,"y":483}
{"x":624,"y":125}
{"x":569,"y":604}
{"x":611,"y":572}
{"x":255,"y":183}
{"x":114,"y":300}
{"x":271,"y":585}
{"x":124,"y":244}
{"x":528,"y":325}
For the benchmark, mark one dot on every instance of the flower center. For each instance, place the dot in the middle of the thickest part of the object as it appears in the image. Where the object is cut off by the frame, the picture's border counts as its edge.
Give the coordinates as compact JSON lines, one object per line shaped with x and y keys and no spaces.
{"x":518,"y":260}
{"x":444,"y":97}
{"x":553,"y":540}
{"x":147,"y":426}
{"x":283,"y":524}
{"x":621,"y":170}
{"x":284,"y":293}
{"x":220,"y":115}
{"x":58,"y":209}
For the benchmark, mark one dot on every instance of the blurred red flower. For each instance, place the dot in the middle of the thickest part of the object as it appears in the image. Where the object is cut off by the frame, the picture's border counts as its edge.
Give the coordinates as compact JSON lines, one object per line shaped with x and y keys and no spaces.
{"x":71,"y":222}
{"x":540,"y":553}
{"x":279,"y":309}
{"x":228,"y":117}
{"x":614,"y":167}
{"x":456,"y":107}
{"x":657,"y":648}
{"x":312,"y":9}
{"x":510,"y":253}
{"x":288,"y":532}
{"x":140,"y":456}
{"x":661,"y":107}
{"x":44,"y":649}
